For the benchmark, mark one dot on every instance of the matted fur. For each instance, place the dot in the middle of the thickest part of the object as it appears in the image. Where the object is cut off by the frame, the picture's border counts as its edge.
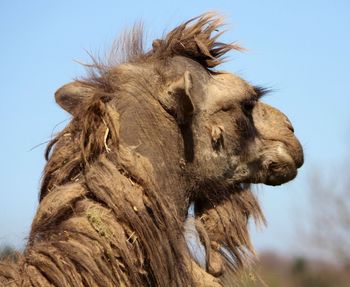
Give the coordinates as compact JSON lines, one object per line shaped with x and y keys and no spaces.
{"x":102,"y":218}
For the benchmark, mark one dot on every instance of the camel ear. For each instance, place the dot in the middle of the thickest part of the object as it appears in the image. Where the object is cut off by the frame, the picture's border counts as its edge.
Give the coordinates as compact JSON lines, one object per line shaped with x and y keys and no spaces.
{"x":177,"y":100}
{"x":72,"y":96}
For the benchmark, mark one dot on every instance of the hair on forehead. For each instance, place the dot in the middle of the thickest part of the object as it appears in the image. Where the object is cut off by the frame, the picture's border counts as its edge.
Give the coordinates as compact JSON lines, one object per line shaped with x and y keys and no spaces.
{"x":195,"y":39}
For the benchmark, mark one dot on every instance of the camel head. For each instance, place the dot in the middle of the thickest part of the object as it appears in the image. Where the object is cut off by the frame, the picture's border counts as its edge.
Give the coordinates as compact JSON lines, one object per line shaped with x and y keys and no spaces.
{"x":205,"y":134}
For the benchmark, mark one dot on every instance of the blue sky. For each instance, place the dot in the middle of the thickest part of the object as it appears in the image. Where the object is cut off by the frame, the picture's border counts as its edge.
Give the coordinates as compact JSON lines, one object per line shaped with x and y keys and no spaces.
{"x":298,"y":48}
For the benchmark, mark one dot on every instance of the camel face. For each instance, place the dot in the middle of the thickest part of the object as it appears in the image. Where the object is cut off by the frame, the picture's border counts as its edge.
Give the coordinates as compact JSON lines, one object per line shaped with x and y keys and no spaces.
{"x":255,"y":141}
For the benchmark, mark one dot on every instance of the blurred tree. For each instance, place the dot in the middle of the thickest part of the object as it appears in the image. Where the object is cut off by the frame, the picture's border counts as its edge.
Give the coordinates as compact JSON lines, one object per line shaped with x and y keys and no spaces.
{"x":328,"y":226}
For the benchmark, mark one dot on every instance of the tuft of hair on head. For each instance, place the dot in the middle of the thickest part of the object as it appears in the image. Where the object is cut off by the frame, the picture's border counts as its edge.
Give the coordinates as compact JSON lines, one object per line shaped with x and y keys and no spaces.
{"x":194,"y":39}
{"x":127,"y":48}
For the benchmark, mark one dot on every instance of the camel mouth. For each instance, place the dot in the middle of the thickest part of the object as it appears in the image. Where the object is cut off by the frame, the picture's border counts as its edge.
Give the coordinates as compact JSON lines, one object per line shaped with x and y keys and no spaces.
{"x":280,"y":173}
{"x":282,"y":164}
{"x":295,"y":152}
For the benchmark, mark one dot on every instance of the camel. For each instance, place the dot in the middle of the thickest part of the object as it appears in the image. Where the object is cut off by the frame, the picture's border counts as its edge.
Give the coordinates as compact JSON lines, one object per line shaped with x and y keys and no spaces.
{"x":152,"y":134}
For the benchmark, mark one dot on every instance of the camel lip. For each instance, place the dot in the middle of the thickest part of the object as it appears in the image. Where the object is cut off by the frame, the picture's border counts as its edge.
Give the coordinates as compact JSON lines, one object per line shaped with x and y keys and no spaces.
{"x":295,"y":151}
{"x":283,"y":166}
{"x":300,"y":160}
{"x":281,"y":175}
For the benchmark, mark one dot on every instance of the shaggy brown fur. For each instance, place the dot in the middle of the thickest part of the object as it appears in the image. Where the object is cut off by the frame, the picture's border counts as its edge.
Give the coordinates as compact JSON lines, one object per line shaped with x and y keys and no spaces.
{"x":121,"y":175}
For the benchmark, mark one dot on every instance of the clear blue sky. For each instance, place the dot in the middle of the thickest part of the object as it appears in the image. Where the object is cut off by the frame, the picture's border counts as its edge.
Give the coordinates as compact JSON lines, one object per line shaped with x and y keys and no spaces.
{"x":299,"y":48}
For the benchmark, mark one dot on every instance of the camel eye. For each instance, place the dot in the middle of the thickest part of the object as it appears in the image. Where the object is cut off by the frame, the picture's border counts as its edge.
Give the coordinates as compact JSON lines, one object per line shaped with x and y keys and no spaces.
{"x":227,"y":106}
{"x":248,"y":106}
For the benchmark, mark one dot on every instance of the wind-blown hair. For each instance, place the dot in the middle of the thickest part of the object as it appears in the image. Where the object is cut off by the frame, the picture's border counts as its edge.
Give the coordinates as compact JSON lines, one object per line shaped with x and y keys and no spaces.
{"x":193,"y":39}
